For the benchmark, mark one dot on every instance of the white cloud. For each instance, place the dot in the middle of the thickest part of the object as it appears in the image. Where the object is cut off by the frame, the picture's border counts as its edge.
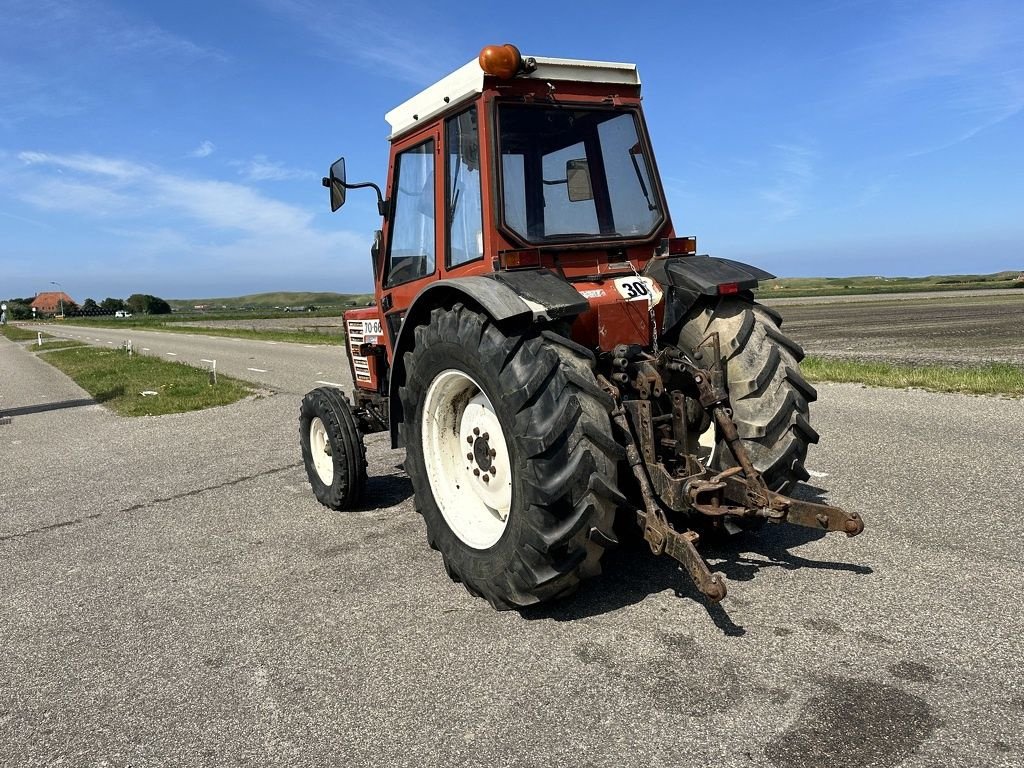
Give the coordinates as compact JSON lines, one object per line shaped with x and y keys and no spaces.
{"x":121,"y":170}
{"x":158,"y":228}
{"x":259,"y":168}
{"x":205,"y":149}
{"x":105,"y":186}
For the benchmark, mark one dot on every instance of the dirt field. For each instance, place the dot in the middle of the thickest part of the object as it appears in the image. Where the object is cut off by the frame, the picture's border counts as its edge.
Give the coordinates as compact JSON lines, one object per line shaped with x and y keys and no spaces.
{"x":952,"y":329}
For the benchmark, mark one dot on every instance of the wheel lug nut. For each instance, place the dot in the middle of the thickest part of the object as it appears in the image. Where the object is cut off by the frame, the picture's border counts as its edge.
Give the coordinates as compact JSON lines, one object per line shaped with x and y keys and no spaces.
{"x":487,"y":436}
{"x":476,"y":472}
{"x":493,"y":453}
{"x":476,"y":430}
{"x":469,"y":439}
{"x":494,"y":470}
{"x":487,"y":478}
{"x":469,"y":457}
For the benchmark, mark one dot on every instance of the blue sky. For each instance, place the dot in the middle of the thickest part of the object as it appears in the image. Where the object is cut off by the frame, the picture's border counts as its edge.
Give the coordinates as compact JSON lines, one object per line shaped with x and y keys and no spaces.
{"x":176,"y":148}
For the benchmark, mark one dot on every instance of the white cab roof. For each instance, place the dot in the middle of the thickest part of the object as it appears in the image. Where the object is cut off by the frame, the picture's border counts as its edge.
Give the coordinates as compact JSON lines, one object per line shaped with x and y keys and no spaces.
{"x":467,"y":82}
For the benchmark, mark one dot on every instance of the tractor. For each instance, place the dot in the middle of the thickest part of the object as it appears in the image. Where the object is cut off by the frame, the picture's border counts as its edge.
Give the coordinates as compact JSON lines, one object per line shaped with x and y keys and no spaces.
{"x":560,"y":367}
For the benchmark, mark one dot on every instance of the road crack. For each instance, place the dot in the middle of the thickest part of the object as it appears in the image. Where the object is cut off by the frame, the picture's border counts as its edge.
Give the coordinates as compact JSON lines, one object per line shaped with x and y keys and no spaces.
{"x":146,"y":504}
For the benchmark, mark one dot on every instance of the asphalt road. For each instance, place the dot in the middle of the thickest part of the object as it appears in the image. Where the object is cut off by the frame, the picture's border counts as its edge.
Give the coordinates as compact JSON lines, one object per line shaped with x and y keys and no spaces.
{"x":292,"y":368}
{"x":174,"y":595}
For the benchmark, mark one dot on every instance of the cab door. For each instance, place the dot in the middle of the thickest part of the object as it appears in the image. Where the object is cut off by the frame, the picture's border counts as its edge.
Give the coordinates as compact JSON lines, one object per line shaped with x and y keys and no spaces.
{"x":415,"y":228}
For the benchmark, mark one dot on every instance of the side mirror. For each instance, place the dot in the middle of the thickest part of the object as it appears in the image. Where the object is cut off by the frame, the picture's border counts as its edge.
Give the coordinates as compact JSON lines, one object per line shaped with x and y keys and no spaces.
{"x":336,"y":183}
{"x":577,"y":177}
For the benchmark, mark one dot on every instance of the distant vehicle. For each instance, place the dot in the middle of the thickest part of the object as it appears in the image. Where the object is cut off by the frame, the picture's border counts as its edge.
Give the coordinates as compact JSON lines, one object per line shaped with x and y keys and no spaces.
{"x":122,"y":313}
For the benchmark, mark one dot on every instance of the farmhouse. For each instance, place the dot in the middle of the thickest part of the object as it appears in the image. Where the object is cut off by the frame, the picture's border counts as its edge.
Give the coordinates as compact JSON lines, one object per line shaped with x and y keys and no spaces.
{"x":50,"y":302}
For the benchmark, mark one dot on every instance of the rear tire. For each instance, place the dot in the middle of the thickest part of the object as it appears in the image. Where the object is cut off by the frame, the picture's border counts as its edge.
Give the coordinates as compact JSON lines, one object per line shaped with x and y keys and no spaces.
{"x":768,"y":395}
{"x":332,"y":448}
{"x":543,"y":525}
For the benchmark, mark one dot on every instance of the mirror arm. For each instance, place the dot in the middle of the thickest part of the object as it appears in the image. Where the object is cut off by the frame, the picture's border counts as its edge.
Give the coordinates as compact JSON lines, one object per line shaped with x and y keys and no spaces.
{"x":382,"y":203}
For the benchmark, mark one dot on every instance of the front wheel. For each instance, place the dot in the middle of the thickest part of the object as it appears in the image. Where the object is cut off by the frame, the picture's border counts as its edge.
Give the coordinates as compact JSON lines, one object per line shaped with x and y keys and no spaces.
{"x":332,"y":448}
{"x":510,"y":451}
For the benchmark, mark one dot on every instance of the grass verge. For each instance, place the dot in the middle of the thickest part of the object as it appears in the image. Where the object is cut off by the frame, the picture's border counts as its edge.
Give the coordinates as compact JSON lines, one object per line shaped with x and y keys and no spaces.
{"x":118,"y":381}
{"x":294,"y":337}
{"x":14,"y":333}
{"x":988,"y":379}
{"x":52,"y":344}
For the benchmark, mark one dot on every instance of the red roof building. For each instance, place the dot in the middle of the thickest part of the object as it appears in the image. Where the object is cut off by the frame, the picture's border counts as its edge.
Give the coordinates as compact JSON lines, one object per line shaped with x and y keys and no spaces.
{"x":49,"y":302}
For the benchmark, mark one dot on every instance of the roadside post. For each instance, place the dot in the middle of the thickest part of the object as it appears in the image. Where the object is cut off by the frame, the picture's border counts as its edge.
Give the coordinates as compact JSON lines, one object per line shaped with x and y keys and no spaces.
{"x":213,"y":369}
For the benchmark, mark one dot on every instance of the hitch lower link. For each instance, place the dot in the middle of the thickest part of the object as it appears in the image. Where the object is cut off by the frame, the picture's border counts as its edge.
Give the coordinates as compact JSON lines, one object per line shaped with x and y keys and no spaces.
{"x":738,"y":491}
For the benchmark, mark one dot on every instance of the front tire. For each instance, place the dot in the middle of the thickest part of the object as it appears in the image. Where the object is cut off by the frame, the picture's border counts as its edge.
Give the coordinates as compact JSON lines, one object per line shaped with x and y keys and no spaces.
{"x":332,"y":448}
{"x":768,"y":395}
{"x":525,"y":412}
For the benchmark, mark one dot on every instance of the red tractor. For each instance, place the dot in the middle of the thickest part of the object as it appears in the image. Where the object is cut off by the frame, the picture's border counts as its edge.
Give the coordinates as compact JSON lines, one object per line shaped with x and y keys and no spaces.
{"x":546,"y":349}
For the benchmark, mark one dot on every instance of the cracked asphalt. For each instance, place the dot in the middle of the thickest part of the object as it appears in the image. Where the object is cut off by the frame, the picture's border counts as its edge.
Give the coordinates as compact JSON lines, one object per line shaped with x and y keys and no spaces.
{"x":172,"y":594}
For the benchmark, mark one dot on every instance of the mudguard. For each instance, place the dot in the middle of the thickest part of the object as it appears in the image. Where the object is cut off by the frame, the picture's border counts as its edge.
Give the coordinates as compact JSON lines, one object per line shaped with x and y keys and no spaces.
{"x":506,"y":297}
{"x":686,"y":279}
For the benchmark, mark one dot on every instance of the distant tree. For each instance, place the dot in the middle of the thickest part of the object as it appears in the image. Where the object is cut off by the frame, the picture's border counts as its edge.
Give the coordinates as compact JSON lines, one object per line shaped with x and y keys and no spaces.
{"x":19,"y":309}
{"x":112,"y":305}
{"x":144,"y":304}
{"x":136,"y":304}
{"x":90,"y":307}
{"x":158,"y":306}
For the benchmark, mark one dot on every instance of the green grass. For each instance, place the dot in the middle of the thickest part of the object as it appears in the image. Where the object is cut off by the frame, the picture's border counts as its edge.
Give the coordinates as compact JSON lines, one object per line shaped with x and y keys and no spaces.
{"x":282,"y":299}
{"x":782,"y":287}
{"x":117,"y":381}
{"x":53,"y":344}
{"x":163,"y":324}
{"x":19,"y":334}
{"x":988,"y":379}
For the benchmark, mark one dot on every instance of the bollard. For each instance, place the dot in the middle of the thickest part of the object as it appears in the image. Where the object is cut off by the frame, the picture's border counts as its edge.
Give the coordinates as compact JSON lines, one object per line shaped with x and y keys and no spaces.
{"x":39,"y":338}
{"x":213,"y":369}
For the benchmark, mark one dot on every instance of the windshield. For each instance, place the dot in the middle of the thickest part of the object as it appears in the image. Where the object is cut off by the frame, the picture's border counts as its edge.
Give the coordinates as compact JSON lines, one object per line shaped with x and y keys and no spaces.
{"x":570,"y":173}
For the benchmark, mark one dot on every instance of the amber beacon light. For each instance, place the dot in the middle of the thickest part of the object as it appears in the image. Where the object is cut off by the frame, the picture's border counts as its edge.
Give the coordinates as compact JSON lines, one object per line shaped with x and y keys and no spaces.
{"x":501,"y":60}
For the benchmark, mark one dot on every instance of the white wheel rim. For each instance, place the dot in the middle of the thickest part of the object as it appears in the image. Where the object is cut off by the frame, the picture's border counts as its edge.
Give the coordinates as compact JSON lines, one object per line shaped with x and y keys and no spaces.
{"x":708,"y":444}
{"x":320,"y":448}
{"x":463,"y":443}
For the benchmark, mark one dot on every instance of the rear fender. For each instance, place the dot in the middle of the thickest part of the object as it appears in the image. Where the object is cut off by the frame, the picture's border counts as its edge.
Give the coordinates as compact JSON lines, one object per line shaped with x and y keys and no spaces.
{"x":688,"y":279}
{"x":509,"y":299}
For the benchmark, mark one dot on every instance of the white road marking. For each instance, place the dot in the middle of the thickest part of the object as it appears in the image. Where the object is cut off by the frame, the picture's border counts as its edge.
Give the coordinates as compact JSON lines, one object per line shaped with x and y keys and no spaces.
{"x":812,"y":473}
{"x":110,"y":342}
{"x":271,"y":342}
{"x":258,"y":370}
{"x":145,"y":349}
{"x":328,"y":383}
{"x":172,"y":354}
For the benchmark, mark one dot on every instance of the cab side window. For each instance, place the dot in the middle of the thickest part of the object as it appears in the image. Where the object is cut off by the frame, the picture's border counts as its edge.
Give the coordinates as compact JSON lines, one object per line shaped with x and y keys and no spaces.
{"x":411,"y":255}
{"x":465,"y":210}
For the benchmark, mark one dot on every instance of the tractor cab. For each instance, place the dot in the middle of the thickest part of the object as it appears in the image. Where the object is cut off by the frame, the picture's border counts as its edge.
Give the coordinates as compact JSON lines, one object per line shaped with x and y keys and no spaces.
{"x":511,"y":164}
